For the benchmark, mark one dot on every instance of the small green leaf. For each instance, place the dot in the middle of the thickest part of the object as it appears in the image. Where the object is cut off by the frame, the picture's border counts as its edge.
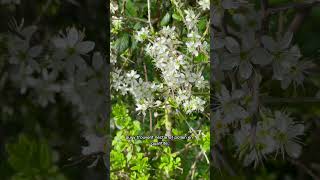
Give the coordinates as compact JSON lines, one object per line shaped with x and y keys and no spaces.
{"x":176,"y":17}
{"x":122,"y":43}
{"x":131,"y":9}
{"x":45,"y":156}
{"x":202,"y":24}
{"x":201,"y":58}
{"x":165,"y":20}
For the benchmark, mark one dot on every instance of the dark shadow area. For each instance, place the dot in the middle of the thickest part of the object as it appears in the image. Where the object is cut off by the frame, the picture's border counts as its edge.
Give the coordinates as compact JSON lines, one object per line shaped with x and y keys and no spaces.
{"x":54,"y":89}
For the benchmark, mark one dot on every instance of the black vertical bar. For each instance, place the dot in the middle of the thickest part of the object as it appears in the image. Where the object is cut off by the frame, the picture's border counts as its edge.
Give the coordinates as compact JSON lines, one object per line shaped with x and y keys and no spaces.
{"x":211,"y":88}
{"x":107,"y":156}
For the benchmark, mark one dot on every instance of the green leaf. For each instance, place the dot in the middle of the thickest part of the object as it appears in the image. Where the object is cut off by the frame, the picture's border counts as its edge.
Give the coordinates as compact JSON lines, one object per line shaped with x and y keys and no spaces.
{"x":202,"y":24}
{"x":45,"y":156}
{"x":176,"y":17}
{"x":122,"y":43}
{"x":129,"y":156}
{"x":165,"y":20}
{"x":131,"y":9}
{"x":31,"y":158}
{"x":201,"y":58}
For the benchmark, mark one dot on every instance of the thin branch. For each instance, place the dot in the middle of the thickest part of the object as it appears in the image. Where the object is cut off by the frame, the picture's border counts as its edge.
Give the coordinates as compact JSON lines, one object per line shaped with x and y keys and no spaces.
{"x":303,"y":167}
{"x":219,"y":156}
{"x":280,"y":25}
{"x":303,"y":8}
{"x":44,"y":10}
{"x":265,"y":16}
{"x":264,"y":5}
{"x":294,"y":5}
{"x":254,"y":108}
{"x":146,"y":79}
{"x":186,"y":147}
{"x":81,"y":159}
{"x":299,"y":18}
{"x":149,"y":15}
{"x":193,"y":167}
{"x":141,"y":20}
{"x":270,"y":100}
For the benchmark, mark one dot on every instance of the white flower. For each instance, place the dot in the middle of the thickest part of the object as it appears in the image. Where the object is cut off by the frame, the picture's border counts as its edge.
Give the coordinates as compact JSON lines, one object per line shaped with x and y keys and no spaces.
{"x":133,"y":75}
{"x":118,"y":83}
{"x":191,"y":19}
{"x":192,"y":47}
{"x":113,"y":7}
{"x":142,"y":34}
{"x":157,"y":103}
{"x":96,"y":144}
{"x":70,"y":46}
{"x":46,"y":88}
{"x":169,"y":32}
{"x":22,"y":54}
{"x":142,"y":106}
{"x":195,"y":104}
{"x":116,"y":24}
{"x":287,"y":134}
{"x":204,"y":4}
{"x":194,"y":43}
{"x":113,"y":55}
{"x":193,"y":35}
{"x":182,"y":95}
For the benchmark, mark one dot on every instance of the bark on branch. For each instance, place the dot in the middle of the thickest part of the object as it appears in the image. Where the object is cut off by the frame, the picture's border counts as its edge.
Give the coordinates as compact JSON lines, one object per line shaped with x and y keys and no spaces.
{"x":299,"y":18}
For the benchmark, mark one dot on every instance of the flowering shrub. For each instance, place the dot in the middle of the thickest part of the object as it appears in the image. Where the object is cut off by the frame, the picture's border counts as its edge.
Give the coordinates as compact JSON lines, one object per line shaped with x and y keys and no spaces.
{"x":262,"y":104}
{"x":160,"y":71}
{"x":251,"y":51}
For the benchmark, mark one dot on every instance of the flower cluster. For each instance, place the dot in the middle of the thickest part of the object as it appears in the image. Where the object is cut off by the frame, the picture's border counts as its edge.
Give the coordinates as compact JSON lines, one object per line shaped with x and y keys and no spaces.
{"x":244,"y":60}
{"x":175,"y":67}
{"x":160,"y":69}
{"x":142,"y":91}
{"x":62,"y":66}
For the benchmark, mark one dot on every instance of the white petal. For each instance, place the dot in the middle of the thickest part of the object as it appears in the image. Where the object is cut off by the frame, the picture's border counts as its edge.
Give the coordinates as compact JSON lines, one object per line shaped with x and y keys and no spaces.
{"x":232,"y":45}
{"x":85,"y":47}
{"x":73,"y":37}
{"x":261,"y":56}
{"x":269,"y":43}
{"x":245,"y":69}
{"x":35,"y":51}
{"x":59,"y":43}
{"x":97,"y":60}
{"x":293,"y":149}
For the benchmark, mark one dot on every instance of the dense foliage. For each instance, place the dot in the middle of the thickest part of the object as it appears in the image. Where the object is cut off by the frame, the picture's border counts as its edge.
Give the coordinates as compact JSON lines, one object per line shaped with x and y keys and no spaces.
{"x":159,"y":53}
{"x":256,"y":85}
